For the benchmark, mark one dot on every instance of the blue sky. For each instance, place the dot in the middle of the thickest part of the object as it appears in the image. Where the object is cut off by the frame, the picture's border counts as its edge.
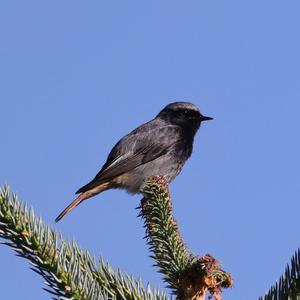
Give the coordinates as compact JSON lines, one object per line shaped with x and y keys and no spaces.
{"x":77,"y":75}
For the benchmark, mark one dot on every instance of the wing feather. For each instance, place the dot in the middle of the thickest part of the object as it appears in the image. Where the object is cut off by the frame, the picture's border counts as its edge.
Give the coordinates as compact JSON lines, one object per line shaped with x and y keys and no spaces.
{"x":135,"y":149}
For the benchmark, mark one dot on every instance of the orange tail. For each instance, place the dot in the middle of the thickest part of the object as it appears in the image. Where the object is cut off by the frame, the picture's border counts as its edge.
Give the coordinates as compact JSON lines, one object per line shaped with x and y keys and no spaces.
{"x":75,"y":203}
{"x":83,"y":196}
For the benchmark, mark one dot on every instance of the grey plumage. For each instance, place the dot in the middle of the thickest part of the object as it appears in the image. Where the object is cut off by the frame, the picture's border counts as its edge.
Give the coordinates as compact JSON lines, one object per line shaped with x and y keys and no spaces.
{"x":159,"y":147}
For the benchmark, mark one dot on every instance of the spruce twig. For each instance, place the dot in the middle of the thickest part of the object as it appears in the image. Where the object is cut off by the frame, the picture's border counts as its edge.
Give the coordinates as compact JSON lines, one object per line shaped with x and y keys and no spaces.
{"x":69,"y":272}
{"x":189,"y":276}
{"x":288,"y":285}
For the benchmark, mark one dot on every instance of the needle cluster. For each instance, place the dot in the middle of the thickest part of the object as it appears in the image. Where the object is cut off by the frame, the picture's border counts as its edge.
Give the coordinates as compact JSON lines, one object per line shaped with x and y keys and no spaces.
{"x":69,"y":272}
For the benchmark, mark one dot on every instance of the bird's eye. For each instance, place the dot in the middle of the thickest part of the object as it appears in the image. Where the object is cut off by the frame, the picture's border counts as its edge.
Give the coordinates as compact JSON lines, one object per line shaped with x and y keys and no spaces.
{"x":186,"y":112}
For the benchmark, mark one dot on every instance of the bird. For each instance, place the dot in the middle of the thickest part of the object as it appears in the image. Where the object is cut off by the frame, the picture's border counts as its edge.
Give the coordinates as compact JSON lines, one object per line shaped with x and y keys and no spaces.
{"x":159,"y":147}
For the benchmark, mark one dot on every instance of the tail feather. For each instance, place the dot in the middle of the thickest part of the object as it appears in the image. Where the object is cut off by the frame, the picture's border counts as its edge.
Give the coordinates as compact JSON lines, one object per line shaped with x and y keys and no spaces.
{"x":83,"y":196}
{"x":75,"y":203}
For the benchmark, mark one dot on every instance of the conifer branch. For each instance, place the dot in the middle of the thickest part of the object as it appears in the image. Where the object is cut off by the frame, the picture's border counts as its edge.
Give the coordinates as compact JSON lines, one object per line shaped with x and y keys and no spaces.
{"x":69,"y":272}
{"x":288,"y":285}
{"x":189,"y":276}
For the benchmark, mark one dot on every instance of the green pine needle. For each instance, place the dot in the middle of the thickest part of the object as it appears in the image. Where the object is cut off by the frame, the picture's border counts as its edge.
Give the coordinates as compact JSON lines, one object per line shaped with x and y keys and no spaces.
{"x":69,"y":272}
{"x":167,"y":246}
{"x":288,"y":285}
{"x":188,"y":275}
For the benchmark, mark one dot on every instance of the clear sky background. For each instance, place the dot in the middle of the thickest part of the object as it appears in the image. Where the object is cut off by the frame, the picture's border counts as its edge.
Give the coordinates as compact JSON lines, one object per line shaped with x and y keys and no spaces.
{"x":76,"y":76}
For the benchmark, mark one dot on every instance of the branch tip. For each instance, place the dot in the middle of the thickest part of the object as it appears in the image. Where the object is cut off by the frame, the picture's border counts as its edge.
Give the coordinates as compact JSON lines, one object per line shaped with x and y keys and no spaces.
{"x":189,"y":276}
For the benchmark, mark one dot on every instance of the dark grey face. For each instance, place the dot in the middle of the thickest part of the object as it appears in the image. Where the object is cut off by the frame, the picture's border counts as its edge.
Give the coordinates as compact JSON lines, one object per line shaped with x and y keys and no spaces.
{"x":184,"y":114}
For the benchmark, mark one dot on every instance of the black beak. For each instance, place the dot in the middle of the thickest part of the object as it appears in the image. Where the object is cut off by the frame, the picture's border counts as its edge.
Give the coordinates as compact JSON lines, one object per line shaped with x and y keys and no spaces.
{"x":205,"y":118}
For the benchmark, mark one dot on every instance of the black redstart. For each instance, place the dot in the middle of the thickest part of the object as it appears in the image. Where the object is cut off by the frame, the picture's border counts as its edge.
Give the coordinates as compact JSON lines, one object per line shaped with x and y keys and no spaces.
{"x":157,"y":148}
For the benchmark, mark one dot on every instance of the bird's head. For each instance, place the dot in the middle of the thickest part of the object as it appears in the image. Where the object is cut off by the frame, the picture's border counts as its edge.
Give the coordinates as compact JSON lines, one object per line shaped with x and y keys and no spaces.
{"x":184,"y":114}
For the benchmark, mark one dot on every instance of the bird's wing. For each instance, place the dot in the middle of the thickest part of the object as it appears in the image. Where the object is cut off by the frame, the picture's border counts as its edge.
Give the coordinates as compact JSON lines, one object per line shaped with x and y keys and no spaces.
{"x":135,"y":149}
